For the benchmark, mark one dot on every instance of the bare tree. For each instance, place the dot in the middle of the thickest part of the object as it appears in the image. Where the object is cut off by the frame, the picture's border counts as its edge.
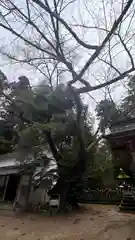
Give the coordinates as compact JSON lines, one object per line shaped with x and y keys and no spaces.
{"x":46,"y":35}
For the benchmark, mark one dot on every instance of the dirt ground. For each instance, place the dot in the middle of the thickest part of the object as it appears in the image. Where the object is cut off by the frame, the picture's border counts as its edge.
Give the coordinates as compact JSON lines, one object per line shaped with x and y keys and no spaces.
{"x":95,"y":222}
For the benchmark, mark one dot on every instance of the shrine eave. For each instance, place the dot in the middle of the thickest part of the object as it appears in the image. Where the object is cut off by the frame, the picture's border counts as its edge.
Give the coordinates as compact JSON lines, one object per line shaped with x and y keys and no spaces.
{"x":120,"y":134}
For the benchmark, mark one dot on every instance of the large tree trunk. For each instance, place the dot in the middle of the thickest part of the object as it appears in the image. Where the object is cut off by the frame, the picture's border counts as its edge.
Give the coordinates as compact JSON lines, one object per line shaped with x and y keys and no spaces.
{"x":78,"y":170}
{"x":53,"y":148}
{"x":66,"y":184}
{"x":26,"y":207}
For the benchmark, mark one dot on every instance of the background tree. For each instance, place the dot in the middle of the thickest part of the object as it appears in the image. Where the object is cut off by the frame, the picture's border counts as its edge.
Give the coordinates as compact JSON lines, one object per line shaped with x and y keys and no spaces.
{"x":107,"y":113}
{"x":128,"y":103}
{"x":101,"y":171}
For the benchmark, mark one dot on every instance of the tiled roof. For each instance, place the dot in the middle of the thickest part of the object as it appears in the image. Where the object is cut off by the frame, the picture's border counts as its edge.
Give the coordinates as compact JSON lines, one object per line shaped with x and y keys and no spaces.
{"x":122,"y":127}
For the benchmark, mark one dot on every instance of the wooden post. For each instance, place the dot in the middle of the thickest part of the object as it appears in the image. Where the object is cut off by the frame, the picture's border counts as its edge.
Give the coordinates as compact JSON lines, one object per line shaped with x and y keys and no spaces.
{"x":28,"y":190}
{"x":17,"y":195}
{"x":5,"y":190}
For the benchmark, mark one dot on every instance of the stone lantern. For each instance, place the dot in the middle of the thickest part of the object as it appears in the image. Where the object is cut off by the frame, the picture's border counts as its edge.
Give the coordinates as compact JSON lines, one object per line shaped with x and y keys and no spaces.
{"x":128,"y":200}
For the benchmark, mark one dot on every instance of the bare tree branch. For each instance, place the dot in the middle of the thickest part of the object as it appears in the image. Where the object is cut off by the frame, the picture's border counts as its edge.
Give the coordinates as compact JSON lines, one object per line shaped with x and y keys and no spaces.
{"x":58,"y":54}
{"x":26,"y":40}
{"x":97,"y":131}
{"x":111,"y":65}
{"x":42,"y":5}
{"x":93,"y":144}
{"x":29,"y":21}
{"x":102,"y":85}
{"x":51,"y":74}
{"x":99,"y":49}
{"x":91,"y":27}
{"x":28,"y":9}
{"x":127,"y":50}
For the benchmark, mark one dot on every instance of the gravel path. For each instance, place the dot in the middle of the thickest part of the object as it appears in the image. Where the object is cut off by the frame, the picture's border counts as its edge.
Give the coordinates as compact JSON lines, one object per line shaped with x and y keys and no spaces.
{"x":96,"y":222}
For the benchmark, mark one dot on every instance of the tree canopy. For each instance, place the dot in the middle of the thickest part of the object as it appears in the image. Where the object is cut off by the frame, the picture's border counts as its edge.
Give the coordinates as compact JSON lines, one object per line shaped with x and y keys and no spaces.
{"x":109,"y":113}
{"x":43,"y":120}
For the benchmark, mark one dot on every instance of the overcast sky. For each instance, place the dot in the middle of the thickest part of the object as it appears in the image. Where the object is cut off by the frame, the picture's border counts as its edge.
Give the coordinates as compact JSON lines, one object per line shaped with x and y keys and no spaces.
{"x":77,"y":13}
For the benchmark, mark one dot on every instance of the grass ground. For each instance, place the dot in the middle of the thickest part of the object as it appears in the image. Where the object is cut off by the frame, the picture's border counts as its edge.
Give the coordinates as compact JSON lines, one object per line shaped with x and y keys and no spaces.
{"x":95,"y":222}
